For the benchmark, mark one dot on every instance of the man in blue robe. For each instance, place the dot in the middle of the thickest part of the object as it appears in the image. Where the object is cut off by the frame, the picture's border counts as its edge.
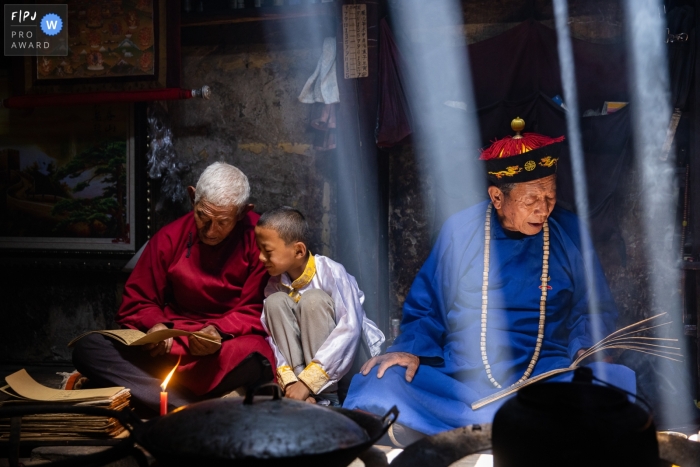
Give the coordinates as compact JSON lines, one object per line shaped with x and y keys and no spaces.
{"x":483,"y":314}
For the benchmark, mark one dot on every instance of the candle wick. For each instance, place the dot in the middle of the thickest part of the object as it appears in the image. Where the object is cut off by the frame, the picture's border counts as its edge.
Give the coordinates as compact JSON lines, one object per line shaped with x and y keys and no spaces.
{"x":167,"y":378}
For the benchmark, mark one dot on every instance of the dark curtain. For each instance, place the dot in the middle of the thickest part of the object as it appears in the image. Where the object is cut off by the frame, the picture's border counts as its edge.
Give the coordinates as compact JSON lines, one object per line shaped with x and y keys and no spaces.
{"x":394,"y":115}
{"x":523,"y":61}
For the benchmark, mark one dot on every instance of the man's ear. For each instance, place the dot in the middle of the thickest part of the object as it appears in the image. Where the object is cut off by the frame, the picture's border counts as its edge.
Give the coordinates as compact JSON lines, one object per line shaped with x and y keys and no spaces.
{"x":246,"y":209}
{"x":299,"y":250}
{"x":496,"y":196}
{"x":190,"y":192}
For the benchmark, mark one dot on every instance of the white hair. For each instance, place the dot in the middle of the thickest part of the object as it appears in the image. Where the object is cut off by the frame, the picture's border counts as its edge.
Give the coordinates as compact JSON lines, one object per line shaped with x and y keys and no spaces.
{"x":222,"y":185}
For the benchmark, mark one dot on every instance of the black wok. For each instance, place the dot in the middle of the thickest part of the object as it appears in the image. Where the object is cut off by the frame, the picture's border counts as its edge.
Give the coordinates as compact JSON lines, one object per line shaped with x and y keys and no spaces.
{"x":237,"y":432}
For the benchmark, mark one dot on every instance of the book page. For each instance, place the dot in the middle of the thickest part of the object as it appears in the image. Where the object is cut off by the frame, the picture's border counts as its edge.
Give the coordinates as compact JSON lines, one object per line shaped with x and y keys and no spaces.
{"x":516,"y":387}
{"x":24,"y":385}
{"x":136,"y":337}
{"x":163,"y":334}
{"x":125,"y":336}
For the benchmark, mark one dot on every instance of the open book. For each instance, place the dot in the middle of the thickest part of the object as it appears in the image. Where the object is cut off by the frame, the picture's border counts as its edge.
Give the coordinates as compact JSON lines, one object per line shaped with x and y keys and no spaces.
{"x":135,"y":337}
{"x":625,"y":338}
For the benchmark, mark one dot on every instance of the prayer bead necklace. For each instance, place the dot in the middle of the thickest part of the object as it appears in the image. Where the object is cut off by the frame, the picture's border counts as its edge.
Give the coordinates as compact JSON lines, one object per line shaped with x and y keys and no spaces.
{"x":485,"y":299}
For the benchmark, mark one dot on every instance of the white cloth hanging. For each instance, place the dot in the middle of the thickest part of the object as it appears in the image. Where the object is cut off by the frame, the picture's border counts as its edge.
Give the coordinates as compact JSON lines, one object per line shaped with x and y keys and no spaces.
{"x":322,"y":85}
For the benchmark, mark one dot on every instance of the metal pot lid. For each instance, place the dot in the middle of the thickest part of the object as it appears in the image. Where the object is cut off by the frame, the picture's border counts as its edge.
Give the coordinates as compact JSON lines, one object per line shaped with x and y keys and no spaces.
{"x":267,"y":428}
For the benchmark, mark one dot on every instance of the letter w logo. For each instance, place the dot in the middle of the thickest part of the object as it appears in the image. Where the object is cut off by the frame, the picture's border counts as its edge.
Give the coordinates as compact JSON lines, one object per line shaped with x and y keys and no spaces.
{"x":51,"y":24}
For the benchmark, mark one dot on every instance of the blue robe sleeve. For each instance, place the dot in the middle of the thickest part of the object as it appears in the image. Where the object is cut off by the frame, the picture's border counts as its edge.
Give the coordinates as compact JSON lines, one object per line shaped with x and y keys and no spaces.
{"x":585,"y":329}
{"x":424,"y":324}
{"x":422,"y":327}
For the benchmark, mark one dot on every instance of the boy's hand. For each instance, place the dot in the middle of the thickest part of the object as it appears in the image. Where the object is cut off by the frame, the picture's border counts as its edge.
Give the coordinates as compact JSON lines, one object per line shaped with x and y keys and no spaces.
{"x":200,"y":347}
{"x":298,"y":391}
{"x":159,"y":348}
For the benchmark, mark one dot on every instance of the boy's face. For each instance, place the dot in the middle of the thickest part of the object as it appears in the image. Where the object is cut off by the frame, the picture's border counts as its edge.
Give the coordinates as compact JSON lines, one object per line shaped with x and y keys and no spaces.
{"x":274,"y":254}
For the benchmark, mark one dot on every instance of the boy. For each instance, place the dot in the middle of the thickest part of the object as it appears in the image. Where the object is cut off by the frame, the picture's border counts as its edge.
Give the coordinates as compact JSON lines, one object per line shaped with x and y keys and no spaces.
{"x":313,"y":311}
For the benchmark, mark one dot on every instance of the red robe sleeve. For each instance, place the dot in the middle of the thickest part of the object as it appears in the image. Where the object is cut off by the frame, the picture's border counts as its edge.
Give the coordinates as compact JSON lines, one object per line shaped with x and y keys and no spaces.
{"x":244,"y":318}
{"x":146,"y":289}
{"x":235,"y":314}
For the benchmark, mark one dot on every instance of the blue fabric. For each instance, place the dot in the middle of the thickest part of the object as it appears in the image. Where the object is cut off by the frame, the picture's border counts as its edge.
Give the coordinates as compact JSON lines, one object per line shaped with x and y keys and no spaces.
{"x":442,"y":322}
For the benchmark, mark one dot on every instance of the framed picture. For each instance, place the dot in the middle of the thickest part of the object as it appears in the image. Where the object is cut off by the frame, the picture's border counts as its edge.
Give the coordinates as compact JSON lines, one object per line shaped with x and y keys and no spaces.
{"x":69,"y":179}
{"x":114,"y":45}
{"x":106,"y":40}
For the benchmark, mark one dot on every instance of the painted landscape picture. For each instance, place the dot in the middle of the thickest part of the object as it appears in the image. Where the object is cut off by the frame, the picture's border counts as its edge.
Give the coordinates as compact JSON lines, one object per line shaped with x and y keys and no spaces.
{"x":106,"y":39}
{"x":65,"y":177}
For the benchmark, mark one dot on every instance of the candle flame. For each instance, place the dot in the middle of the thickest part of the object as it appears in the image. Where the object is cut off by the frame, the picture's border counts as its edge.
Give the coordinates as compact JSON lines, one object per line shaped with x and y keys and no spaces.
{"x":167,"y":379}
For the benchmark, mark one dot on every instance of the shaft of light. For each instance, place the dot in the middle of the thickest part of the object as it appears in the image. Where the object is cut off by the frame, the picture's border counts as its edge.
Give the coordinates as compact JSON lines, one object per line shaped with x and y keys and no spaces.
{"x":447,"y":139}
{"x":170,"y":375}
{"x":568,"y":79}
{"x":650,"y":101}
{"x":651,"y":113}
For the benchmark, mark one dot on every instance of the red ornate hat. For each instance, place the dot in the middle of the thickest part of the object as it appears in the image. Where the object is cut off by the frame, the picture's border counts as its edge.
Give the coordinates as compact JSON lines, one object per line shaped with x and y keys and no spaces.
{"x":521,"y":158}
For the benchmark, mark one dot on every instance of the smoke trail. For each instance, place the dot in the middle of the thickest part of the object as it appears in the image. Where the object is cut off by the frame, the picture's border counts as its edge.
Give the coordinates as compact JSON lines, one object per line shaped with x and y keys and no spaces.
{"x":568,"y":78}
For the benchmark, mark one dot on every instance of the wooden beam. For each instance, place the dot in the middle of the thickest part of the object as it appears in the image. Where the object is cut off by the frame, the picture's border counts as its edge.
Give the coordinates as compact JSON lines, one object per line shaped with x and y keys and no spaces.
{"x":251,"y":15}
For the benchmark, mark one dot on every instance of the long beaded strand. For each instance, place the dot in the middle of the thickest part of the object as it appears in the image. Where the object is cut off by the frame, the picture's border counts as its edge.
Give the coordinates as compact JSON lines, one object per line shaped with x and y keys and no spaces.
{"x":485,"y":299}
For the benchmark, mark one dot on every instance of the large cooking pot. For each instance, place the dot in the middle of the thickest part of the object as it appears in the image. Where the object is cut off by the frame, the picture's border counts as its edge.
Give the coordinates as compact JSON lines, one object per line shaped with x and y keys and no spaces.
{"x":254,"y":431}
{"x":260,"y":432}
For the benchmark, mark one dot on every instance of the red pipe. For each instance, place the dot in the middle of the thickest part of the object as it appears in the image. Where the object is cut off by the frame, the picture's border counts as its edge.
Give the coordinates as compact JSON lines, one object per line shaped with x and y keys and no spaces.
{"x":49,"y":100}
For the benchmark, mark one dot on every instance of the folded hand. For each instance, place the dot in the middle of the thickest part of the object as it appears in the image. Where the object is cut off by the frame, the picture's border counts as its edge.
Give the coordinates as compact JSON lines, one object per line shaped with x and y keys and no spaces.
{"x":159,"y":348}
{"x":298,"y":391}
{"x":201,"y":347}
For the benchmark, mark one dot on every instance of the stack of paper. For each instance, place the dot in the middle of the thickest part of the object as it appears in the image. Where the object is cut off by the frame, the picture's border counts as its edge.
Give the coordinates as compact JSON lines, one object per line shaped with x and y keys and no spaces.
{"x":22,"y":389}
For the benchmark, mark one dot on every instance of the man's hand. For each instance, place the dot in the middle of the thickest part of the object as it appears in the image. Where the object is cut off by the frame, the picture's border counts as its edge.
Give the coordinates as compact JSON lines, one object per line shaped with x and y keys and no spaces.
{"x":162,"y":347}
{"x":405,"y":359}
{"x":201,"y":347}
{"x":298,"y":391}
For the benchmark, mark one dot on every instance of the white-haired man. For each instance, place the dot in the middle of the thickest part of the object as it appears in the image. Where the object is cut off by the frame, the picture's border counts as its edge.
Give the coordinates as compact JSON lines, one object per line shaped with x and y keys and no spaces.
{"x":199,"y":273}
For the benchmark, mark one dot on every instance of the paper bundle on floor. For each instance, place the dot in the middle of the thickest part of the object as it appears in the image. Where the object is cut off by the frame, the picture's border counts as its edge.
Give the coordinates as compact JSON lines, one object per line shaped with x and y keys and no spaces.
{"x":22,"y":389}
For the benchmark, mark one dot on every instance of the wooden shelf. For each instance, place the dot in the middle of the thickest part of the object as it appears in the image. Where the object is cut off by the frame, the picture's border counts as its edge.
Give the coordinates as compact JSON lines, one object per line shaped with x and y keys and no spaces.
{"x":690,"y":265}
{"x":248,"y":15}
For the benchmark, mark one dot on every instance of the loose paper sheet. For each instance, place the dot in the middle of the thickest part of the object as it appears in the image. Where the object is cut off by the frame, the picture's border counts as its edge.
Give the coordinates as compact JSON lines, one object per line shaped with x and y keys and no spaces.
{"x":24,"y":385}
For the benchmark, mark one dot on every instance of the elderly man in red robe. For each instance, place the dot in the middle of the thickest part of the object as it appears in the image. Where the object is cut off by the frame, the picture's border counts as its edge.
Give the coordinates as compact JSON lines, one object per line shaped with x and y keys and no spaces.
{"x":199,"y":273}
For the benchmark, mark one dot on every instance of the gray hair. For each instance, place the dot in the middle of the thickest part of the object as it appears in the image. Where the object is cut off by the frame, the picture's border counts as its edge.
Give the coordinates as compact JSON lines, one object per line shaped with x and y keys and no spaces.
{"x":222,"y":185}
{"x":506,"y":188}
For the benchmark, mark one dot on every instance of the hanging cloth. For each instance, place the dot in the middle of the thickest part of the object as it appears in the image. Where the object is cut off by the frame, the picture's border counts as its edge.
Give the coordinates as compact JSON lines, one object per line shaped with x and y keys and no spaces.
{"x":322,"y":85}
{"x":394,"y":114}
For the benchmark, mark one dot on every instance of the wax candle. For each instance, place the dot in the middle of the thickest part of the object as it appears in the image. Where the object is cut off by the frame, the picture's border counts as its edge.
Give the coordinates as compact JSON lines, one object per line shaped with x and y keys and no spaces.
{"x":163,"y":403}
{"x":163,"y":394}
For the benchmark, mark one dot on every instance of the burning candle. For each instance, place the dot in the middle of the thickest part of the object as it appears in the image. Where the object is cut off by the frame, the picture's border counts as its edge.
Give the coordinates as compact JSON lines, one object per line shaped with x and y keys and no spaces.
{"x":163,"y":393}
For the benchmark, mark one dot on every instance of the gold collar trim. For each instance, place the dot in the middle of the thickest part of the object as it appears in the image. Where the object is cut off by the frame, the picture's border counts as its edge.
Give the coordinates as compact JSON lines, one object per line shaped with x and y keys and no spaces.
{"x":303,"y":280}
